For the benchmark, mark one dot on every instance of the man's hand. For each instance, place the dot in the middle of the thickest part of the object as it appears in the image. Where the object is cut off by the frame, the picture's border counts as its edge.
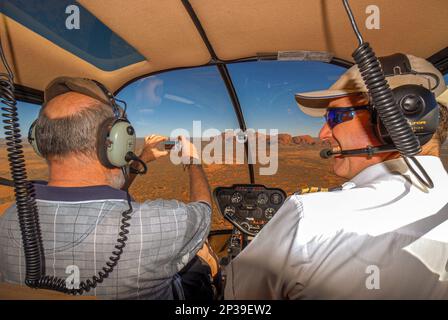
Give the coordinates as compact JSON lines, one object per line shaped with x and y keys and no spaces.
{"x":207,"y":254}
{"x":150,"y":151}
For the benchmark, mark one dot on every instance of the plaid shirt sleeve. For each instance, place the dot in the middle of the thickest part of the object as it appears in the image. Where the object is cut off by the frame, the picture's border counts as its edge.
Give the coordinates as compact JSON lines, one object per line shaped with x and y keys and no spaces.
{"x":186,"y":227}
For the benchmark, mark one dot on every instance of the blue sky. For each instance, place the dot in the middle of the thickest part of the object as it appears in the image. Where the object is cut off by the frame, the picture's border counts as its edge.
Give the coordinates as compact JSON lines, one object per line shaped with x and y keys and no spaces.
{"x":266,"y":90}
{"x":161,"y":103}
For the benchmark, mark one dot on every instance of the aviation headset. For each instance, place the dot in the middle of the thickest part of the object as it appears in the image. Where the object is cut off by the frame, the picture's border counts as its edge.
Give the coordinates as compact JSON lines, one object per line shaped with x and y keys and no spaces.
{"x":115,"y":138}
{"x":418,"y":104}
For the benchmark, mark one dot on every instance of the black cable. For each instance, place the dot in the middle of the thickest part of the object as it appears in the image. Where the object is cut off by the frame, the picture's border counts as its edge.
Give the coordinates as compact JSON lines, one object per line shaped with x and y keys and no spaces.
{"x":124,"y":108}
{"x":353,"y":22}
{"x":384,"y":102}
{"x":24,"y":193}
{"x":219,"y":232}
{"x":6,"y":182}
{"x":131,"y":156}
{"x":428,"y":183}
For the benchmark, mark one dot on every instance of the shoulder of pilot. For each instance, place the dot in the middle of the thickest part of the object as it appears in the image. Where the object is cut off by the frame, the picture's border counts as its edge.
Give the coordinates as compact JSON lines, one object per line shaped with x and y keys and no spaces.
{"x":322,"y":204}
{"x":320,"y":215}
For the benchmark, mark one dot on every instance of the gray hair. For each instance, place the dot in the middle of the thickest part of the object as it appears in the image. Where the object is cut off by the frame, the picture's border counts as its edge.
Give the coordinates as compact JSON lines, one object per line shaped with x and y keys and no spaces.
{"x":75,"y":134}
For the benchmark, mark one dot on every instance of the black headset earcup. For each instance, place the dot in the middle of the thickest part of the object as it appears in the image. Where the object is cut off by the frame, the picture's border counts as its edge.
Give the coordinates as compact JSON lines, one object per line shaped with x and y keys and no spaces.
{"x":420,"y":108}
{"x":116,"y":139}
{"x":412,"y":99}
{"x":32,"y":139}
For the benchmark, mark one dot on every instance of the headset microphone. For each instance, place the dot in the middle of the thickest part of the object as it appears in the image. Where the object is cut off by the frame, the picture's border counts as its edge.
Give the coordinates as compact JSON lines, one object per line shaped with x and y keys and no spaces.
{"x":326,"y":153}
{"x":369,"y":151}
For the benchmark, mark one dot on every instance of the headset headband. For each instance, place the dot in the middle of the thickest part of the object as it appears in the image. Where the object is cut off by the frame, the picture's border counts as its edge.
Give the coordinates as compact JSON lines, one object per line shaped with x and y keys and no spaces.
{"x":399,"y":64}
{"x":110,"y":96}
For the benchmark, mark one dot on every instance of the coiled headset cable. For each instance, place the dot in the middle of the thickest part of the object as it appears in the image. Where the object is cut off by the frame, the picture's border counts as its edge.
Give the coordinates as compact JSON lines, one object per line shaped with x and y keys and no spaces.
{"x":24,"y":191}
{"x":404,"y":139}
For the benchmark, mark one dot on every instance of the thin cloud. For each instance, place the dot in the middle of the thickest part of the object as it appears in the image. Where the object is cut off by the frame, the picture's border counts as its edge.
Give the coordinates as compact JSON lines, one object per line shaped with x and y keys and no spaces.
{"x":146,"y":110}
{"x":177,"y":99}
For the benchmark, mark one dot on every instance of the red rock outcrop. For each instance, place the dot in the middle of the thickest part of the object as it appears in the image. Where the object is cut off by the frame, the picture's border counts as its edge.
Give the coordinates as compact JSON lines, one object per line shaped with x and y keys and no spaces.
{"x":284,"y":138}
{"x":303,"y":140}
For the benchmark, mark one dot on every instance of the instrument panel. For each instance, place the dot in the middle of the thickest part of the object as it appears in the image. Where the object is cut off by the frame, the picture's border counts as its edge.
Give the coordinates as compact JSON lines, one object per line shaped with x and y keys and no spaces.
{"x":248,"y":206}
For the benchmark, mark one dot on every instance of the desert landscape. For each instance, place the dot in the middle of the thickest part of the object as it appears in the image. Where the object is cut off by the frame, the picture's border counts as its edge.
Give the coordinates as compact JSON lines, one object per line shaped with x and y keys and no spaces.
{"x":299,"y":166}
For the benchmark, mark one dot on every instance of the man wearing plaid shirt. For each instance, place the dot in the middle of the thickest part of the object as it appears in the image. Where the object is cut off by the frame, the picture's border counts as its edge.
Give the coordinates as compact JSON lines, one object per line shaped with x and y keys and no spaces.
{"x":80,"y":211}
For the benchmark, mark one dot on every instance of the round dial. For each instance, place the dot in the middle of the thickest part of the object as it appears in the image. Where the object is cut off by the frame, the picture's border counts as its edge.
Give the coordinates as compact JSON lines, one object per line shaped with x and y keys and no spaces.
{"x":262,"y":199}
{"x":276,"y":198}
{"x":230,"y":211}
{"x":245,"y":226}
{"x":257,"y":213}
{"x":236,"y":197}
{"x":269,"y":212}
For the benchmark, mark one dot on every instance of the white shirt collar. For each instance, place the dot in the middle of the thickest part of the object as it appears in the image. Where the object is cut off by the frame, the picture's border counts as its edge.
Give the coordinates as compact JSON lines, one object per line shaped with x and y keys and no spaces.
{"x":383,"y":171}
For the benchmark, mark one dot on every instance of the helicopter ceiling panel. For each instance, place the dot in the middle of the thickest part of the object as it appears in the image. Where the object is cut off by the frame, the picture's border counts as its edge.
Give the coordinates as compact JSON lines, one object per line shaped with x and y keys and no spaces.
{"x":249,"y":206}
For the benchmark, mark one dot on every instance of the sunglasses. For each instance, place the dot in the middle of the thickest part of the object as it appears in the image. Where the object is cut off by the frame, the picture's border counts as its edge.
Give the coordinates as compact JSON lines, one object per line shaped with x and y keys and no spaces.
{"x":335,"y":116}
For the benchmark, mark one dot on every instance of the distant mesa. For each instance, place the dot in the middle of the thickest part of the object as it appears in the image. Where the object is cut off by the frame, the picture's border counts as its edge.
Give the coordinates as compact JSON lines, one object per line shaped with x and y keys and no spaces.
{"x":284,"y":139}
{"x":303,"y":140}
{"x":287,"y":139}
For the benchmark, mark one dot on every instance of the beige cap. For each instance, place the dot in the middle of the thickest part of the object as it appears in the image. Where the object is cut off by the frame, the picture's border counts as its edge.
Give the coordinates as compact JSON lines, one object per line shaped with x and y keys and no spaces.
{"x":84,"y":86}
{"x":315,"y":103}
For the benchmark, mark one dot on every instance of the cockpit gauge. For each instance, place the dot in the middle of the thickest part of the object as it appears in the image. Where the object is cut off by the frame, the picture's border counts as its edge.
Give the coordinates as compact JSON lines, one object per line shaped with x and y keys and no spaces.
{"x":229,"y":211}
{"x":257,"y":213}
{"x":269,"y":213}
{"x":236,"y":197}
{"x":276,"y":198}
{"x":248,"y":206}
{"x":246,"y":226}
{"x":262,"y":199}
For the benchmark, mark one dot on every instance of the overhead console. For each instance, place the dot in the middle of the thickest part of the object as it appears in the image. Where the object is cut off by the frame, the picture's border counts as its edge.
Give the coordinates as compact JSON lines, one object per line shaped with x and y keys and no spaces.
{"x":248,"y":206}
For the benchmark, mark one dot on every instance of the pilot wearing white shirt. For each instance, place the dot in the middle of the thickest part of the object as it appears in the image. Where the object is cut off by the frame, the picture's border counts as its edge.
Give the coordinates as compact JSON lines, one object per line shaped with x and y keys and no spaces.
{"x":383,"y":236}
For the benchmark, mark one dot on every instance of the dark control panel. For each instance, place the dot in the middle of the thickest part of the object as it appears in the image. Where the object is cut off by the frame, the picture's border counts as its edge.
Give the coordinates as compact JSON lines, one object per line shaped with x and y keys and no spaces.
{"x":248,"y":206}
